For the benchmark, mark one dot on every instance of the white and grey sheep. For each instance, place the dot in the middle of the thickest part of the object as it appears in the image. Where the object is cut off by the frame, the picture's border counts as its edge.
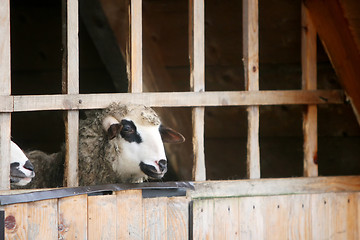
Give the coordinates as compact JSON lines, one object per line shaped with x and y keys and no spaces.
{"x":21,"y":169}
{"x":121,"y":143}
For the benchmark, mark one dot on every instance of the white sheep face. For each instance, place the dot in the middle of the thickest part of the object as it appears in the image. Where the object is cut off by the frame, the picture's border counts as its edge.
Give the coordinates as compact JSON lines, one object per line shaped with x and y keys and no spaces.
{"x":139,"y":146}
{"x":21,"y":169}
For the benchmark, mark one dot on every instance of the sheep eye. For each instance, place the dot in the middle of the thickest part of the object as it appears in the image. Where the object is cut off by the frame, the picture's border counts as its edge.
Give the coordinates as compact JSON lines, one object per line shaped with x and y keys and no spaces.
{"x":127,"y":129}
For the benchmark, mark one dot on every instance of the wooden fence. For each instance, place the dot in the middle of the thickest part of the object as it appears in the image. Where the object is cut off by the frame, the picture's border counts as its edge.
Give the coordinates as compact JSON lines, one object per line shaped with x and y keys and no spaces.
{"x":300,"y":208}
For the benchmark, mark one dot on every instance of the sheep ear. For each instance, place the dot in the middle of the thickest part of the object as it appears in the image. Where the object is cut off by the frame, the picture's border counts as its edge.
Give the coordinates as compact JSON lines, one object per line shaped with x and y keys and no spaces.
{"x":169,"y":135}
{"x":112,"y":126}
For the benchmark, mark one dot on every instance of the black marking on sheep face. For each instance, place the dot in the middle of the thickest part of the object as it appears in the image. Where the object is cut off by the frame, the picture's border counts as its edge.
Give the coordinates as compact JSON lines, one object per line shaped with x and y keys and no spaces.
{"x":128,"y":131}
{"x":151,"y":170}
{"x":16,"y":175}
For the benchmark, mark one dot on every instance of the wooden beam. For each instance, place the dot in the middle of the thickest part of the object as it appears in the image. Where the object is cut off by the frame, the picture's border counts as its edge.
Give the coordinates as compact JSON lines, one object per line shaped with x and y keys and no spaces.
{"x":197,"y":82}
{"x":279,"y":186}
{"x":251,"y":69}
{"x":95,"y":21}
{"x":334,"y":32}
{"x":136,"y":67}
{"x":5,"y":90}
{"x":309,"y":82}
{"x":70,"y":84}
{"x":174,"y":99}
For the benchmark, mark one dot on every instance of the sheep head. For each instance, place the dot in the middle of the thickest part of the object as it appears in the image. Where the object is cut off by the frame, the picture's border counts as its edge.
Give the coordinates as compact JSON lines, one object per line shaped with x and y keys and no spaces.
{"x":134,"y":139}
{"x":21,"y":169}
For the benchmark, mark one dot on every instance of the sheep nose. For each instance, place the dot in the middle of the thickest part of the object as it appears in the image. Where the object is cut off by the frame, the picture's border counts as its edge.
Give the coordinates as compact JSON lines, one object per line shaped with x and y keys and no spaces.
{"x":28,"y":166}
{"x":162,"y":165}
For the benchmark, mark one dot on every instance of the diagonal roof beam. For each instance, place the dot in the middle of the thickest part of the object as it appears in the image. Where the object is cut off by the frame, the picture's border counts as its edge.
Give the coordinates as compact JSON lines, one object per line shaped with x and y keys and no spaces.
{"x":334,"y":31}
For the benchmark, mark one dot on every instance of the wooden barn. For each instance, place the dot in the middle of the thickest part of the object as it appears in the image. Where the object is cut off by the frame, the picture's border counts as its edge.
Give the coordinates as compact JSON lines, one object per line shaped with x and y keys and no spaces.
{"x":266,"y":93}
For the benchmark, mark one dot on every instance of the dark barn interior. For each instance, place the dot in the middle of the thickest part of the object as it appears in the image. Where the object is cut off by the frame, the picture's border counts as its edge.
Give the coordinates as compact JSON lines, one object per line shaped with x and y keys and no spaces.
{"x":36,"y":60}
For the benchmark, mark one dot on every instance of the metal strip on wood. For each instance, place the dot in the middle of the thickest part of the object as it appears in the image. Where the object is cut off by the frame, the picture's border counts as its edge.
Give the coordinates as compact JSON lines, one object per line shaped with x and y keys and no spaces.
{"x":5,"y":89}
{"x":251,"y":69}
{"x":70,"y":84}
{"x":136,"y":72}
{"x":197,"y":82}
{"x":2,"y":225}
{"x":309,"y":82}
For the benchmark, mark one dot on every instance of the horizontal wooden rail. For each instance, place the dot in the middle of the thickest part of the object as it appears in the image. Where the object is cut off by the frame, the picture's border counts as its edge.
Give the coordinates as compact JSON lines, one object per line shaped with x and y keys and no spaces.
{"x":169,"y":99}
{"x":275,"y":186}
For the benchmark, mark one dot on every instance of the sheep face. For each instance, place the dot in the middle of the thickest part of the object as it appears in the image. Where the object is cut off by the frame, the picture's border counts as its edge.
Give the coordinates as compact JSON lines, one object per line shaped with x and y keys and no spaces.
{"x":138,"y":144}
{"x":21,"y":169}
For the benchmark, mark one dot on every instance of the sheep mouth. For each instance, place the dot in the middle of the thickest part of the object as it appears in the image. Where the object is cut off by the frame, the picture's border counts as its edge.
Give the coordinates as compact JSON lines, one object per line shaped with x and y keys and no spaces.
{"x":151,"y":171}
{"x":17,"y":177}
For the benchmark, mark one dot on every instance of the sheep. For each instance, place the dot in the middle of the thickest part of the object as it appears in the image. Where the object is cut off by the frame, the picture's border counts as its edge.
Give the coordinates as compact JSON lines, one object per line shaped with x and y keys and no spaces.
{"x":122,"y":143}
{"x":21,"y":169}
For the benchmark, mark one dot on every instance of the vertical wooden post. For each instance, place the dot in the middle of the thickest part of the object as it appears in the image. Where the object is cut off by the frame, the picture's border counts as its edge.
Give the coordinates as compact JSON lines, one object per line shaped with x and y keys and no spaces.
{"x":70,"y":85}
{"x":135,"y":83}
{"x":251,"y":69}
{"x":309,"y":82}
{"x":5,"y":89}
{"x":197,"y":82}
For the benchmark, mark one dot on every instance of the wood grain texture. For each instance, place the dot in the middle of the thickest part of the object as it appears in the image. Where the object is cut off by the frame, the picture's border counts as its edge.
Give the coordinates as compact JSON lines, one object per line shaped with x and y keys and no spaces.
{"x":70,"y":85}
{"x":73,"y":217}
{"x":5,"y":89}
{"x":19,"y":230}
{"x":101,"y":217}
{"x":278,"y":186}
{"x":136,"y":46}
{"x":178,"y":218}
{"x":251,"y":218}
{"x":203,"y":219}
{"x":251,"y":70}
{"x":176,"y":99}
{"x":43,"y":220}
{"x":334,"y":32}
{"x":309,"y":82}
{"x":129,"y":214}
{"x":226,"y":218}
{"x":155,"y":218}
{"x":197,"y":82}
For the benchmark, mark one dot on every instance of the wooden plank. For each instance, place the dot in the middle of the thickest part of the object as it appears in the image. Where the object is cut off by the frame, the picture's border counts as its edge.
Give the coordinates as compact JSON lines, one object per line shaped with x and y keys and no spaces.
{"x":136,"y":46}
{"x":251,"y":218}
{"x":263,"y":187}
{"x":129,"y":214}
{"x":155,"y":218}
{"x":5,"y":89}
{"x":102,"y":217}
{"x":73,"y":217}
{"x":177,"y":99}
{"x":334,"y":32}
{"x":197,"y":82}
{"x":70,"y":83}
{"x":226,"y":218}
{"x":203,"y":219}
{"x":178,"y":218}
{"x":309,"y":82}
{"x":43,"y":220}
{"x":199,"y":168}
{"x":251,"y":70}
{"x":299,"y":216}
{"x":16,"y":221}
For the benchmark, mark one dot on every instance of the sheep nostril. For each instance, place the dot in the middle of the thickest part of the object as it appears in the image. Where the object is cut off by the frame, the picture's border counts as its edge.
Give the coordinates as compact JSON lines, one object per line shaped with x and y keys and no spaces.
{"x":162,"y":164}
{"x":28,"y":165}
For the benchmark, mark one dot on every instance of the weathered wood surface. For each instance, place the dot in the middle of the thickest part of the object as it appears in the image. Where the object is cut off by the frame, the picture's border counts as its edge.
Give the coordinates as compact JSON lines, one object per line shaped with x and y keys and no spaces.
{"x":176,"y":99}
{"x":279,"y":186}
{"x":70,"y":85}
{"x":73,"y":217}
{"x":308,"y":216}
{"x":197,"y":83}
{"x":5,"y":89}
{"x":334,"y":32}
{"x":251,"y":70}
{"x":309,"y":82}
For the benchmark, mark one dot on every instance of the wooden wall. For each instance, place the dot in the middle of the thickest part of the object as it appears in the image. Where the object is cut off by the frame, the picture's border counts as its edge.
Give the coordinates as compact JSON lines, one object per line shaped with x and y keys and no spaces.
{"x":126,"y":215}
